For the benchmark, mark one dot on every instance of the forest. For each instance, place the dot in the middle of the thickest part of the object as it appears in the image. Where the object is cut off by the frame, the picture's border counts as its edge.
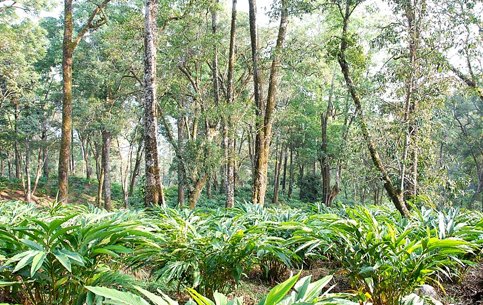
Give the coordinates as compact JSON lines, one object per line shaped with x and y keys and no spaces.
{"x":229,"y":152}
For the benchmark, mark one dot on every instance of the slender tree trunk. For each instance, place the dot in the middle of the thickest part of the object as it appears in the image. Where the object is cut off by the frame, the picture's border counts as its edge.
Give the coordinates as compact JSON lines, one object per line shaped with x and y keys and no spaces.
{"x":38,"y":172}
{"x":278,"y":167}
{"x":153,"y":191}
{"x":410,"y":152}
{"x":136,"y":167}
{"x":291,"y":174}
{"x":229,"y":131}
{"x":394,"y":194}
{"x":265,"y":117}
{"x":18,"y":167}
{"x":45,"y":151}
{"x":106,"y":166}
{"x":324,"y":154}
{"x":72,"y":157}
{"x":284,"y":175}
{"x":28,"y":189}
{"x":181,"y":175}
{"x":100,"y":187}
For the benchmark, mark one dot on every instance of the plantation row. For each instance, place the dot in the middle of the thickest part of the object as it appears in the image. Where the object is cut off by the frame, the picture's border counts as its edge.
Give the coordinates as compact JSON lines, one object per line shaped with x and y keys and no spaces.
{"x":91,"y":256}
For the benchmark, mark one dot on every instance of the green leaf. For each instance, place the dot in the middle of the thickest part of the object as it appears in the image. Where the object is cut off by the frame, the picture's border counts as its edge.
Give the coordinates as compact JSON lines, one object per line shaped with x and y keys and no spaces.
{"x":37,"y":262}
{"x":63,"y":259}
{"x":117,"y":297}
{"x":157,"y":300}
{"x":278,"y":292}
{"x":27,"y":259}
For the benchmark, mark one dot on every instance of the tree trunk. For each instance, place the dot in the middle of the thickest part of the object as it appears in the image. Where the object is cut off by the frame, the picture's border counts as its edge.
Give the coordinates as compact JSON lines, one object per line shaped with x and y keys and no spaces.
{"x":181,"y":175}
{"x":106,"y":167}
{"x":395,"y":195}
{"x":66,"y":137}
{"x":45,"y":151}
{"x":28,"y":189}
{"x":278,"y":167}
{"x":38,"y":173}
{"x":324,"y":154}
{"x":18,"y":167}
{"x":136,"y":167}
{"x":284,"y":175}
{"x":196,"y":191}
{"x":100,"y":187}
{"x":153,"y":191}
{"x":410,"y":153}
{"x":72,"y":157}
{"x":68,"y":46}
{"x":229,"y":132}
{"x":291,"y":174}
{"x":265,"y":117}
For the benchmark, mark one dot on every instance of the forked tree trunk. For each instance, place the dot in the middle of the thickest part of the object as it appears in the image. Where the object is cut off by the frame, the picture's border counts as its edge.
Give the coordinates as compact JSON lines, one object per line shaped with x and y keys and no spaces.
{"x":196,"y":191}
{"x":153,"y":191}
{"x":68,"y":46}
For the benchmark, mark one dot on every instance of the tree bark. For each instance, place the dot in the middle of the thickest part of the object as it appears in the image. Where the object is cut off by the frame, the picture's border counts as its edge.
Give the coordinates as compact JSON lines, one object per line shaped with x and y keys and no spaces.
{"x":229,"y":133}
{"x":291,"y":174}
{"x":68,"y":46}
{"x":278,"y":167}
{"x":28,"y":186}
{"x":66,"y":137}
{"x":153,"y":191}
{"x":18,"y":168}
{"x":45,"y":151}
{"x":284,"y":175}
{"x":196,"y":191}
{"x":264,"y":118}
{"x":410,"y":153}
{"x":181,"y":174}
{"x":106,"y":167}
{"x":136,"y":167}
{"x":394,"y":194}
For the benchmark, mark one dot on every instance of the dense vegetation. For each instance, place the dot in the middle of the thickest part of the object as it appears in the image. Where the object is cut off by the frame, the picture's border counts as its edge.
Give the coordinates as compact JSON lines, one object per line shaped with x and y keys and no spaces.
{"x":202,"y":151}
{"x":70,"y":254}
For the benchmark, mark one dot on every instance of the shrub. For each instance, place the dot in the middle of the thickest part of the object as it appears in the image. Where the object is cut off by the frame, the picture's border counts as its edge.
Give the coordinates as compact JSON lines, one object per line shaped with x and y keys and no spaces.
{"x":386,"y":257}
{"x":48,"y":259}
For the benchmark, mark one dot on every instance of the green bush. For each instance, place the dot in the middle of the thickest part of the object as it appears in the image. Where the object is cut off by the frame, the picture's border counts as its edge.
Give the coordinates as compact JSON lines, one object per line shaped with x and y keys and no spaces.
{"x":48,"y":258}
{"x":386,"y":256}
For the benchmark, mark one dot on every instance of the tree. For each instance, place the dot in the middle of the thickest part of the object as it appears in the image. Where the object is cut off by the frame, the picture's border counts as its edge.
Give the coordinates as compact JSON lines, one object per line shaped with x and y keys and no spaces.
{"x":154,"y":191}
{"x":265,"y":108}
{"x":70,"y":42}
{"x":346,"y":10}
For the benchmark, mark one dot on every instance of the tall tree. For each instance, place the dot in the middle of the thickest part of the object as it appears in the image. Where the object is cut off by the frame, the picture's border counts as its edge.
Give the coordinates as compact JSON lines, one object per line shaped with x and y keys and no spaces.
{"x":154,"y":191}
{"x":346,"y":8}
{"x":265,"y":109}
{"x":228,"y":132}
{"x":70,"y":42}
